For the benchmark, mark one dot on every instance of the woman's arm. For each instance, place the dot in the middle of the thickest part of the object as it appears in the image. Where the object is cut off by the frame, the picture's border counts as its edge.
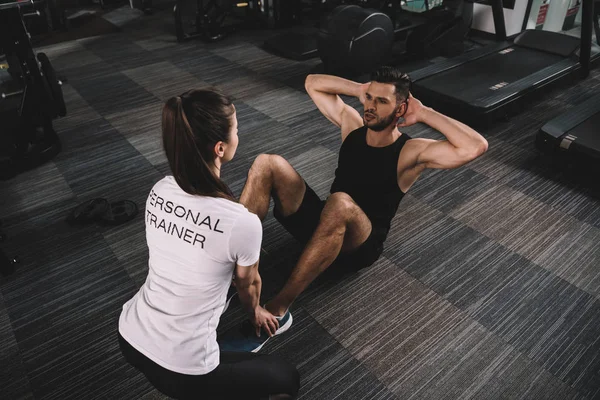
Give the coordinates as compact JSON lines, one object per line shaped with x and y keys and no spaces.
{"x":248,"y":284}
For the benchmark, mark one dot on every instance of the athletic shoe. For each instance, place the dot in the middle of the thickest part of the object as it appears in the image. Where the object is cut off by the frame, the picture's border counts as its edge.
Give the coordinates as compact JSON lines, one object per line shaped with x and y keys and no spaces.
{"x":230,"y":295}
{"x":245,"y":339}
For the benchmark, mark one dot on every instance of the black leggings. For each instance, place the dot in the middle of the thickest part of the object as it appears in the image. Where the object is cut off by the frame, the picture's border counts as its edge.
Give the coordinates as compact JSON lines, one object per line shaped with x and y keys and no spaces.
{"x":238,"y":376}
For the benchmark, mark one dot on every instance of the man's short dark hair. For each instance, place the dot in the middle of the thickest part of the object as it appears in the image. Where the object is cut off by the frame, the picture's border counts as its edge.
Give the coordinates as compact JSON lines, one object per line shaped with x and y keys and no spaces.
{"x":396,"y":77}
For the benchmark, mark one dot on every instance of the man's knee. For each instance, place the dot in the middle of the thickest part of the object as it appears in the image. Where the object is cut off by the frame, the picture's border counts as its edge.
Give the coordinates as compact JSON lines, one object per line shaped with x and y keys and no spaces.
{"x":266,"y":163}
{"x":339,"y":208}
{"x":342,"y":202}
{"x":261,"y":162}
{"x":261,"y":166}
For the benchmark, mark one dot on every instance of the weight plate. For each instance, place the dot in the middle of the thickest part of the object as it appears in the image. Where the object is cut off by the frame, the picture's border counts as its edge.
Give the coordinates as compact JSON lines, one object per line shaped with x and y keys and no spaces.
{"x":87,"y":212}
{"x":120,"y":212}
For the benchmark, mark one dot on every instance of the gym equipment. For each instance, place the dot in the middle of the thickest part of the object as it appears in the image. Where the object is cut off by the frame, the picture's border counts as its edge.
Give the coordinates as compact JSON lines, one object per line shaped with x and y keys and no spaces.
{"x":438,"y":31}
{"x":438,"y":28}
{"x":355,"y":40}
{"x":215,"y":19}
{"x":102,"y":212}
{"x":494,"y":81}
{"x":119,"y":213}
{"x":575,"y":134}
{"x":30,"y":96}
{"x":87,"y":212}
{"x":294,"y":45}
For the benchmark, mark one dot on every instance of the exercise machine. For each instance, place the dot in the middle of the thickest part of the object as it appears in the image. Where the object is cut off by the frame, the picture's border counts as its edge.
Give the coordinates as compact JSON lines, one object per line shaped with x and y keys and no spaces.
{"x":213,"y":20}
{"x":497,"y":80}
{"x":30,"y":97}
{"x":348,"y":37}
{"x":439,"y":28}
{"x":302,"y":45}
{"x":437,"y":31}
{"x":296,"y":45}
{"x":355,"y":40}
{"x":575,"y":134}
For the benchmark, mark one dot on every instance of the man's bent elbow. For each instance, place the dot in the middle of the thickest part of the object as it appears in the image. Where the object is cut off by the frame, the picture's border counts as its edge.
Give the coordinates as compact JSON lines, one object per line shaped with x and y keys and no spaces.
{"x":477,"y":150}
{"x":309,"y":81}
{"x":467,"y":154}
{"x":482,"y":146}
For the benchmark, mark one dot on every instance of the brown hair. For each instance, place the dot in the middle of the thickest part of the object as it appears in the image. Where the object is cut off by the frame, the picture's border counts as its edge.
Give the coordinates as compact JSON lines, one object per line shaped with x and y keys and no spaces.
{"x":399,"y":79}
{"x":191,"y":126}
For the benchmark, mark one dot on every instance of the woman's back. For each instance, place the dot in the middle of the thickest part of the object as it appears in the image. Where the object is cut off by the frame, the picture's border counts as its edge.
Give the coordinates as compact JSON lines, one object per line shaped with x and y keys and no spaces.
{"x":194,"y":243}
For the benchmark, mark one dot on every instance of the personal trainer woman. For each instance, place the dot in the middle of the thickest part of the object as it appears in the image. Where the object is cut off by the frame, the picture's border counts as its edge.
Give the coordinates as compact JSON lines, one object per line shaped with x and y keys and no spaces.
{"x":199,"y":237}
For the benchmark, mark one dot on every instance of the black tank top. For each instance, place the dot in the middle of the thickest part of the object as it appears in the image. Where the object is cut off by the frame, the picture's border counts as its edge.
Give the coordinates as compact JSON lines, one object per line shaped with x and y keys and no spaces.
{"x":370,"y":176}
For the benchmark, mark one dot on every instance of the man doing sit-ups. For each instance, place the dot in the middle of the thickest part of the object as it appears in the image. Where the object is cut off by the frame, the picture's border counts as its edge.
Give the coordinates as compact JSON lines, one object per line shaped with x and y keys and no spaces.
{"x":377,"y":165}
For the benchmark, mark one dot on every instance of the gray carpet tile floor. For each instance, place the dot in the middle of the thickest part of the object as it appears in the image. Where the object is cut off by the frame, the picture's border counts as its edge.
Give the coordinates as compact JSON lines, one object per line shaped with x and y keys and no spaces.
{"x":488,"y":287}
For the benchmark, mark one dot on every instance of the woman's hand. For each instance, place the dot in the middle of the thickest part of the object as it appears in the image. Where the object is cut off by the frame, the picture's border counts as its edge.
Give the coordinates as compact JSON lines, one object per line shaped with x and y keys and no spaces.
{"x":265,"y":320}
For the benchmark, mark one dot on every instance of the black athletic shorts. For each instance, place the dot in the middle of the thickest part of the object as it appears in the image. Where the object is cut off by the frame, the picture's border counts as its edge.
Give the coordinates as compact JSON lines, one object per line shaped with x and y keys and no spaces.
{"x":302,"y":224}
{"x":239,"y":375}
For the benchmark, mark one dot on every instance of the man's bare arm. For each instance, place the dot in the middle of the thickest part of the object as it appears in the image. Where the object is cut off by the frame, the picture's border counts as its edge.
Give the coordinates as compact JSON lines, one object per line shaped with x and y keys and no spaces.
{"x":325,"y":90}
{"x":463,"y":143}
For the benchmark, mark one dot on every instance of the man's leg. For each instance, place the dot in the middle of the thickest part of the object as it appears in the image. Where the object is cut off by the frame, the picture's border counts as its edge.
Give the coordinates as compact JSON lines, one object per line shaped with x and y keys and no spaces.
{"x":343,"y":227}
{"x":272,"y":176}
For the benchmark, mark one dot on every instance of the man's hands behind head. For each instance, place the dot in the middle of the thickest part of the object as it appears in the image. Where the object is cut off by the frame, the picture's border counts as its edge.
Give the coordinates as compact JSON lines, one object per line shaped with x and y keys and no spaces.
{"x":363,"y":92}
{"x":414,"y":113}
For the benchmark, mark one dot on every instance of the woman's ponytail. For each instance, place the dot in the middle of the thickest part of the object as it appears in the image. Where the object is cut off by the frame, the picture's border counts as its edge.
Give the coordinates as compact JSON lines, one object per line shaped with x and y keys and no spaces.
{"x":192,"y":124}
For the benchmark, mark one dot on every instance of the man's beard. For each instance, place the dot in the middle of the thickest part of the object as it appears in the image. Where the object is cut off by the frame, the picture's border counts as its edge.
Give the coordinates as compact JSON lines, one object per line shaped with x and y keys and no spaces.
{"x":381,"y":123}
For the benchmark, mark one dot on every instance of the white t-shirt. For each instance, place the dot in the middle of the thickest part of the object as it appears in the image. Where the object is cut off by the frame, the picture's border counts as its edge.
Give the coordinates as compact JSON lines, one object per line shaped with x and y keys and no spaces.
{"x":194,"y":243}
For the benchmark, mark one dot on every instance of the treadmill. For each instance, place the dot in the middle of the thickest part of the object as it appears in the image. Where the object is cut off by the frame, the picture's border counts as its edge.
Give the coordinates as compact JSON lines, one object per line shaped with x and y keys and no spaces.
{"x":495,"y":81}
{"x":575,"y":133}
